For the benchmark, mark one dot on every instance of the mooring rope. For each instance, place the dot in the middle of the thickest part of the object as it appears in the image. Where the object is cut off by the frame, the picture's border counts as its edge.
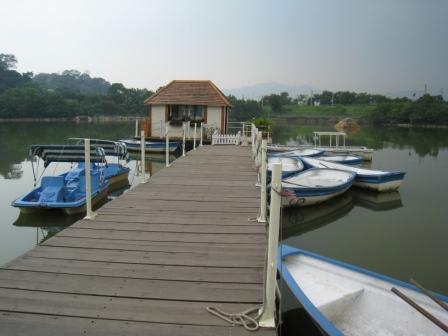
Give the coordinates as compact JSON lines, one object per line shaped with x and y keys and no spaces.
{"x":243,"y":318}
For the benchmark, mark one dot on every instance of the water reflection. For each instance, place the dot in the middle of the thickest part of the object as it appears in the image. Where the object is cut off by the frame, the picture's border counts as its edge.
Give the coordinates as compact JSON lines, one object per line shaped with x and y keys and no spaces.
{"x":47,"y":223}
{"x":298,"y":221}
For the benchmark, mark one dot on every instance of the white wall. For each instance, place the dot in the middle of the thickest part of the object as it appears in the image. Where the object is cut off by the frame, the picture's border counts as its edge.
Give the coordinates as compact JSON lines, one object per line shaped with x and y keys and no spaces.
{"x":214,"y":116}
{"x":157,"y":114}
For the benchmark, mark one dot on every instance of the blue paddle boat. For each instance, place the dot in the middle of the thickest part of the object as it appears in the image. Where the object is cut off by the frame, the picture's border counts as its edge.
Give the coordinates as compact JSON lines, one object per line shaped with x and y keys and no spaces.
{"x":66,"y":192}
{"x":365,"y":178}
{"x":115,"y":173}
{"x":344,"y":299}
{"x":315,"y":186}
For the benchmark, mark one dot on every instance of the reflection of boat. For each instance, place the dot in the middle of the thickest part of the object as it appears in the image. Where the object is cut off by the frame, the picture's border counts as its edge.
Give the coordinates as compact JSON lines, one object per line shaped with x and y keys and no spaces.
{"x":344,"y":299}
{"x":66,"y":192}
{"x":151,"y":146}
{"x":365,"y":178}
{"x":376,"y":201}
{"x":46,"y":219}
{"x":297,"y":221}
{"x":290,"y":166}
{"x":315,"y":186}
{"x":344,"y":159}
{"x":47,"y":223}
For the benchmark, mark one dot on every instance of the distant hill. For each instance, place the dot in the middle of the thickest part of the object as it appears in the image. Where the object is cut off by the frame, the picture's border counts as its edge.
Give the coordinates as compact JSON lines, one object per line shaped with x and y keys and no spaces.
{"x":72,"y":80}
{"x":257,"y":91}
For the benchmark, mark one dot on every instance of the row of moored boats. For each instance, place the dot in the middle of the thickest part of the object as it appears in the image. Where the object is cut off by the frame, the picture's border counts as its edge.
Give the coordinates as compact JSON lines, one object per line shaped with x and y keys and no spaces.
{"x":310,"y":177}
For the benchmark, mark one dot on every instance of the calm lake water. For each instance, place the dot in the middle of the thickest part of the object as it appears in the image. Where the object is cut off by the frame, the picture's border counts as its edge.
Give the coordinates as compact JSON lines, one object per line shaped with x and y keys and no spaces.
{"x":400,"y":234}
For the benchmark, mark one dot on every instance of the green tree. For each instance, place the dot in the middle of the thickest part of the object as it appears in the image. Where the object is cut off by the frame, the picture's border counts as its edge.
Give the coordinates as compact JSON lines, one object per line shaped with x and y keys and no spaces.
{"x":7,"y":62}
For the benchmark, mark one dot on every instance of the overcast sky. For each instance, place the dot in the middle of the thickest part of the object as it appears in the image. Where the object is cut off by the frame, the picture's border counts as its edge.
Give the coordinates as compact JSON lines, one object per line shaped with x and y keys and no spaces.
{"x":377,"y":45}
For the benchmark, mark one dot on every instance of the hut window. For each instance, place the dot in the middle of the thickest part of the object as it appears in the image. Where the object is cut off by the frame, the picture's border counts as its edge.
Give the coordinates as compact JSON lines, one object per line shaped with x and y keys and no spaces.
{"x":193,"y":113}
{"x":198,"y":113}
{"x":175,"y":113}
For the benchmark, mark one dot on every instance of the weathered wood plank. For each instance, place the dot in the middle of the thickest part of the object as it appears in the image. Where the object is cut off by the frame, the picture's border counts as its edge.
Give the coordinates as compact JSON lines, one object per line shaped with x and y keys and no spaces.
{"x":124,"y":309}
{"x":130,"y":288}
{"x":13,"y":323}
{"x":117,"y":216}
{"x":164,"y":236}
{"x":150,"y":258}
{"x":190,"y":228}
{"x":139,"y":271}
{"x":131,"y":245}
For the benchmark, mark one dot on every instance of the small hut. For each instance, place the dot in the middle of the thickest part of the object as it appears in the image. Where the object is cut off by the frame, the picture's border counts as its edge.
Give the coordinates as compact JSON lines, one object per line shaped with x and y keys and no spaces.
{"x":187,"y":102}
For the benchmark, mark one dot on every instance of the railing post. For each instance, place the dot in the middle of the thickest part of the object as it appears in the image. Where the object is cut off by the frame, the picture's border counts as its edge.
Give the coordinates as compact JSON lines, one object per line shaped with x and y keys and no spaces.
{"x":89,"y":213}
{"x":262,"y":217}
{"x":183,"y":138}
{"x":167,"y":147}
{"x":258,"y":157}
{"x":267,"y":319}
{"x":143,"y":160}
{"x":136,"y":127}
{"x":244,"y":142}
{"x":202,"y":135}
{"x":194,"y":136}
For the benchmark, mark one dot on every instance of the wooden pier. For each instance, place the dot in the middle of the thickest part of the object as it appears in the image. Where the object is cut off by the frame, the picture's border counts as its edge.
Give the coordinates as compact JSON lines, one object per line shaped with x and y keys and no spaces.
{"x":152,"y":260}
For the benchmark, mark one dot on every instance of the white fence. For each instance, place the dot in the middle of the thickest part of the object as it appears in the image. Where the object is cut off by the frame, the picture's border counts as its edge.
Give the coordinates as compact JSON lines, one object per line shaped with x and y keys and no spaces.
{"x":226,"y":139}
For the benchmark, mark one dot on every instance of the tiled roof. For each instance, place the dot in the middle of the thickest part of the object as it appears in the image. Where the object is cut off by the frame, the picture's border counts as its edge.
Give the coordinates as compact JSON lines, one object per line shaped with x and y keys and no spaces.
{"x":189,"y":92}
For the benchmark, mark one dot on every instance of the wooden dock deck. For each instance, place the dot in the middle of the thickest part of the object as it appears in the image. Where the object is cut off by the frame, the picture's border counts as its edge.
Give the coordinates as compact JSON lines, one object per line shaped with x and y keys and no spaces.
{"x":151,"y":261}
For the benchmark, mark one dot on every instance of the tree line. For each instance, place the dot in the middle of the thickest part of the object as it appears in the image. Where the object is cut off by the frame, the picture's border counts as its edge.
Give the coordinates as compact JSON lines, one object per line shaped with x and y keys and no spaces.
{"x":65,"y":95}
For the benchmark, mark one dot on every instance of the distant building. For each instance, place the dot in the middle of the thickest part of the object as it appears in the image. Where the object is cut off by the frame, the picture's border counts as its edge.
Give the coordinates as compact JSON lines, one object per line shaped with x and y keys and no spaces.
{"x":190,"y":101}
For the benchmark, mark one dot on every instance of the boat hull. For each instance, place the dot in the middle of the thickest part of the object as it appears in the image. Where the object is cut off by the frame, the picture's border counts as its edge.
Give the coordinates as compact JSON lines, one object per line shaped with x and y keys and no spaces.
{"x":151,"y":146}
{"x":381,"y":181}
{"x":331,"y":184}
{"x":118,"y":181}
{"x":344,"y":299}
{"x":292,"y":199}
{"x":96,"y":200}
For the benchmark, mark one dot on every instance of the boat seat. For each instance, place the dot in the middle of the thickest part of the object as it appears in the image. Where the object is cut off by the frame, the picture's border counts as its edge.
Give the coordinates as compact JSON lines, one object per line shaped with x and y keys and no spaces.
{"x":52,"y":189}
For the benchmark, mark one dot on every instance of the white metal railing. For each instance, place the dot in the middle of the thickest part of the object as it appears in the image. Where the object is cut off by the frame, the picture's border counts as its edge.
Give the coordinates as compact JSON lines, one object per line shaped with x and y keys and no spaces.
{"x":266,"y":315}
{"x":226,"y":139}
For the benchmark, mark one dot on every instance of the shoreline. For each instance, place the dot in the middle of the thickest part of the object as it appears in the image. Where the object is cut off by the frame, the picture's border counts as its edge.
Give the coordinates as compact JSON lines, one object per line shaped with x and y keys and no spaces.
{"x":360,"y":121}
{"x":102,"y":118}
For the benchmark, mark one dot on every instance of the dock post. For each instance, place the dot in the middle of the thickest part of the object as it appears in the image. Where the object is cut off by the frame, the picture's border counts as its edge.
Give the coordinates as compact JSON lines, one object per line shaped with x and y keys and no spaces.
{"x":136,"y":127}
{"x":202,"y":135}
{"x":258,"y":157}
{"x":252,"y":139}
{"x":167,"y":147}
{"x":142,"y":158}
{"x":267,"y":318}
{"x":244,"y":143}
{"x":194,"y":136}
{"x":89,"y":213}
{"x":184,"y":126}
{"x":262,"y":217}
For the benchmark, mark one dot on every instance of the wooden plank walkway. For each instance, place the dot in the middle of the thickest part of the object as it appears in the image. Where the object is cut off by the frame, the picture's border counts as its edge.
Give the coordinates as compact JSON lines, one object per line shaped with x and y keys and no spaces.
{"x":151,"y":261}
